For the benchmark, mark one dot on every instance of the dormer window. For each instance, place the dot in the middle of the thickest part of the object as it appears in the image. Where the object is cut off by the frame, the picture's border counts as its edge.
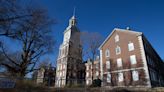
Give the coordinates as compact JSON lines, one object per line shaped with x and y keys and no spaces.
{"x":107,"y":53}
{"x":116,"y":38}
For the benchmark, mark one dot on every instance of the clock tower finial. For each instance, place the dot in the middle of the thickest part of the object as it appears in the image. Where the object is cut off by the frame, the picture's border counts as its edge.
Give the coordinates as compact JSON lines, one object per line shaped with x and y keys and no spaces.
{"x":74,"y":11}
{"x":72,"y":21}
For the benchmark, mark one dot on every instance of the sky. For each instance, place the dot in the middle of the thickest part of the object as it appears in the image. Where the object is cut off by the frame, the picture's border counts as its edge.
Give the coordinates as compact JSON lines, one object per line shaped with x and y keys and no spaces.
{"x":103,"y":16}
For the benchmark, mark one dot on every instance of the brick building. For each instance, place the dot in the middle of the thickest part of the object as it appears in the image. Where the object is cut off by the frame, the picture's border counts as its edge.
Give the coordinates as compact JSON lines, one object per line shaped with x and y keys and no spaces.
{"x":92,"y":70}
{"x":128,"y":59}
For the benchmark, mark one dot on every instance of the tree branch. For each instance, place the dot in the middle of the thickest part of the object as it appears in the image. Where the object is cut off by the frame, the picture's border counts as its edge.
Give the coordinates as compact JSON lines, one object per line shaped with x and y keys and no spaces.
{"x":14,"y":18}
{"x":9,"y":57}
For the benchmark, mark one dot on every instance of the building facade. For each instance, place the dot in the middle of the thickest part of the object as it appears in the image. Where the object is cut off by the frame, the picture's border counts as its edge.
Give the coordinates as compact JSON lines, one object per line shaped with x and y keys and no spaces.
{"x":128,"y":59}
{"x":45,"y":76}
{"x":92,"y":70}
{"x":70,"y":69}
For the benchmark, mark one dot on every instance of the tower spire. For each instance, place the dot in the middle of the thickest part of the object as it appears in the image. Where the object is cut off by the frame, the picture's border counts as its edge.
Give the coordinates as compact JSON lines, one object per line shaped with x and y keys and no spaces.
{"x":74,"y":11}
{"x":72,"y":21}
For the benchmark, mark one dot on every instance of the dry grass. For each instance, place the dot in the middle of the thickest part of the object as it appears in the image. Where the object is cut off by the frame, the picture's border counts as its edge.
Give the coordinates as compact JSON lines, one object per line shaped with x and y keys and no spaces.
{"x":31,"y":87}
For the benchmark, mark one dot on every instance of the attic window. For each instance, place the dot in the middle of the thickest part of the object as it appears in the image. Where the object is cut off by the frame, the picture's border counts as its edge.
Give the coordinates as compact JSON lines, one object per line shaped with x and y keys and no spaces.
{"x":116,"y":38}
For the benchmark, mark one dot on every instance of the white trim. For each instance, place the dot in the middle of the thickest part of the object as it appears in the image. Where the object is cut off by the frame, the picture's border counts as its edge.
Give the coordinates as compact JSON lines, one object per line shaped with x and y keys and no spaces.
{"x":144,"y":60}
{"x":124,"y":70}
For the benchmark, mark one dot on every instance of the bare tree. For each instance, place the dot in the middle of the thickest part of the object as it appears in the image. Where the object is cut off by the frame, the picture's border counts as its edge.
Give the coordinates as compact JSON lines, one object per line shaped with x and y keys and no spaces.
{"x":90,"y":43}
{"x":44,"y":63}
{"x":11,"y":12}
{"x":35,"y":38}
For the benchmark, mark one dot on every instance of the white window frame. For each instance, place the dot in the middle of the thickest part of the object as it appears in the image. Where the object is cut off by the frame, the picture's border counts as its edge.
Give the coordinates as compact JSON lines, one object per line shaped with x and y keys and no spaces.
{"x":116,"y":38}
{"x":107,"y":64}
{"x":107,"y":53}
{"x":97,"y":65}
{"x":135,"y":75}
{"x":60,"y":74}
{"x":108,"y":78}
{"x":130,"y":46}
{"x":133,"y":59}
{"x":63,"y":82}
{"x":87,"y":74}
{"x":119,"y":62}
{"x":63,"y":73}
{"x":120,"y":77}
{"x":118,"y":50}
{"x":87,"y":82}
{"x":87,"y":67}
{"x":97,"y":73}
{"x":58,"y":67}
{"x":61,"y":67}
{"x":64,"y":66}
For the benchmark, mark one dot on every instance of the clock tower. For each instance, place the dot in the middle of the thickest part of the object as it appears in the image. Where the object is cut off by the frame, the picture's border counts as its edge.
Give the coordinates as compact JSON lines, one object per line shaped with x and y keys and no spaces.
{"x":70,"y":69}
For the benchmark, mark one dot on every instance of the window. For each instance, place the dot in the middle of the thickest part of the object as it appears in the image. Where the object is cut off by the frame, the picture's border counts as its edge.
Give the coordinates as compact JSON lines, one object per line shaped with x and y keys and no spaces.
{"x":133,"y":59}
{"x":62,"y":52}
{"x":153,"y":75}
{"x":107,"y":64}
{"x":116,"y":38}
{"x":64,"y":66}
{"x":87,"y":82}
{"x":63,"y":73}
{"x":119,"y":62}
{"x":87,"y":67}
{"x":131,"y":46}
{"x":107,"y":53}
{"x":120,"y":77}
{"x":97,"y":65}
{"x":97,"y":73}
{"x":60,"y":67}
{"x":108,"y":77}
{"x":63,"y":82}
{"x":118,"y":50}
{"x":60,"y":74}
{"x":87,"y":74}
{"x":135,"y":75}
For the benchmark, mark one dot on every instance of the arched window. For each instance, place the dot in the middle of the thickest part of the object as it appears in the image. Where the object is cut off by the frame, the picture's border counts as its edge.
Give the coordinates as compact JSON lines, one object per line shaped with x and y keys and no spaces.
{"x":107,"y":53}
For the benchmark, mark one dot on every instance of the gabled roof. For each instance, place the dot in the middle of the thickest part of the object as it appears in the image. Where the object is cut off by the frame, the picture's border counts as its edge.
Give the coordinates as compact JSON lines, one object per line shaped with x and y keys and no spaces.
{"x":118,"y":29}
